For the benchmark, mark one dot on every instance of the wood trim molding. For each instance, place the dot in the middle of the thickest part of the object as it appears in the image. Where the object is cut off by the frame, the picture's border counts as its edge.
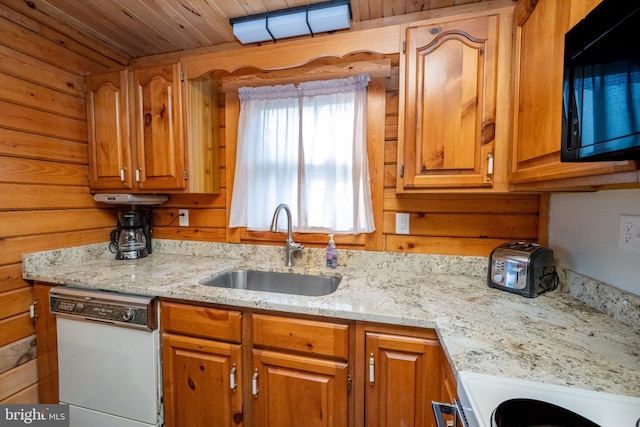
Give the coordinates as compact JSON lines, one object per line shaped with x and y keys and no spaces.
{"x":523,"y":10}
{"x":295,"y":53}
{"x":375,"y":68}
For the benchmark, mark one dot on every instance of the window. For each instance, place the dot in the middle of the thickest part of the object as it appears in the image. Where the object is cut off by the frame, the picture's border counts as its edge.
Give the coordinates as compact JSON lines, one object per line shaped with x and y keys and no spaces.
{"x":304,"y":146}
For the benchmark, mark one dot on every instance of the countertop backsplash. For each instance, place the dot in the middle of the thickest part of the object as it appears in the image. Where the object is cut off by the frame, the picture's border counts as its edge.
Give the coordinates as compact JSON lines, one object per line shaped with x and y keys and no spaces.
{"x":315,"y":257}
{"x":617,"y":303}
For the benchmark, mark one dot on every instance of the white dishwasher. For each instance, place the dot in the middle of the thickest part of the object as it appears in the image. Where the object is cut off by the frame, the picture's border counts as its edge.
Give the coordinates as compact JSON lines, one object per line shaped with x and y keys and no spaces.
{"x":108,"y":358}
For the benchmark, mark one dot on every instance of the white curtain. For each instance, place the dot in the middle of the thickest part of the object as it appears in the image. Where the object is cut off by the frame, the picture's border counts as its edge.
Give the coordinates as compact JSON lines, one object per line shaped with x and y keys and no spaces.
{"x":305,"y":147}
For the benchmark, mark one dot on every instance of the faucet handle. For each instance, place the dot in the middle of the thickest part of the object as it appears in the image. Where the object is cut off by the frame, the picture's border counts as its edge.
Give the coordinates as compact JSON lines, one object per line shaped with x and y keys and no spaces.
{"x":294,"y":245}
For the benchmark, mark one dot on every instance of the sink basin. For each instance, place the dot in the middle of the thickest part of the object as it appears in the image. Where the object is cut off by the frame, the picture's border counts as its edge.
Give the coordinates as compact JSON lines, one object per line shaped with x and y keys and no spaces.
{"x":270,"y":281}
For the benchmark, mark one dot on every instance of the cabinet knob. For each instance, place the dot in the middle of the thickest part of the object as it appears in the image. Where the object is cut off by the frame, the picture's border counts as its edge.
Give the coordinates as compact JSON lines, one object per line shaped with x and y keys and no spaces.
{"x":128,"y":315}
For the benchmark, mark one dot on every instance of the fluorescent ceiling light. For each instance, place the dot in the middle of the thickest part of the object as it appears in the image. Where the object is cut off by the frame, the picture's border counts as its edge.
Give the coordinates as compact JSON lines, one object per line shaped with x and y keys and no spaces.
{"x":315,"y":18}
{"x":329,"y":19}
{"x":289,"y":25}
{"x":252,"y":31}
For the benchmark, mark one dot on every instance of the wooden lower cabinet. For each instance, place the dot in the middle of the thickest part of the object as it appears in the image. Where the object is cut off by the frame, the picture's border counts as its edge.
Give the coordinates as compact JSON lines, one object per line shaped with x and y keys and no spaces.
{"x":291,"y":391}
{"x":300,"y":372}
{"x":201,"y":366}
{"x":403,"y":376}
{"x":47,"y":345}
{"x":297,"y":371}
{"x":201,"y":385}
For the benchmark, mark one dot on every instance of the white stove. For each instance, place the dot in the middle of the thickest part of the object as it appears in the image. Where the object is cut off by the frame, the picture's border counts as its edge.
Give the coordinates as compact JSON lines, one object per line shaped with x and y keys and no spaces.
{"x":480,"y":394}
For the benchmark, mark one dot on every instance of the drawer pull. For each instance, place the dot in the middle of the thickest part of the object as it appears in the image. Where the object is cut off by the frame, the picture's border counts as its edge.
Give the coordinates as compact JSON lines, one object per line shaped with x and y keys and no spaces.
{"x":232,"y":378}
{"x":254,"y":384}
{"x":371,"y":369}
{"x":489,"y":166}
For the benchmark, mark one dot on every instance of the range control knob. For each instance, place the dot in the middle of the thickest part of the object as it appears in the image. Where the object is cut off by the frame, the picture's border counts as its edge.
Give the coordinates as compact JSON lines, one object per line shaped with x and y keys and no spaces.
{"x":128,"y":315}
{"x":497,"y":278}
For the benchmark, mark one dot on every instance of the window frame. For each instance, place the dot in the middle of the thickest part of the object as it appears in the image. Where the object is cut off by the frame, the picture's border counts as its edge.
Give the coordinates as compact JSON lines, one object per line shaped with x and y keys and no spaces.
{"x":379,"y":71}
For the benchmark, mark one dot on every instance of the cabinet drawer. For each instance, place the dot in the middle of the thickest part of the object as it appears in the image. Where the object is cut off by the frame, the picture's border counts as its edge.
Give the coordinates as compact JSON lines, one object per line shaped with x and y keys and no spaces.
{"x":305,"y":336}
{"x":203,"y":322}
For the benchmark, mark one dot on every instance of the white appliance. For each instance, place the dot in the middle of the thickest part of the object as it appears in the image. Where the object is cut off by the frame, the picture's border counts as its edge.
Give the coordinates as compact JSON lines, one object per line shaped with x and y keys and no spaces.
{"x":108,"y":358}
{"x":480,"y":394}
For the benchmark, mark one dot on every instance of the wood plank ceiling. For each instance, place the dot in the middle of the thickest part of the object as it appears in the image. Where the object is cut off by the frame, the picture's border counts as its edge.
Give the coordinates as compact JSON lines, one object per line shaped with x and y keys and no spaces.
{"x":138,"y":28}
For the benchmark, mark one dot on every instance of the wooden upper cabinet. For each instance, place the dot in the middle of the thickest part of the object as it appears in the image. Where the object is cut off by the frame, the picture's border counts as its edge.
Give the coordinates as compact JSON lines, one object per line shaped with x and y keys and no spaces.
{"x":538,"y":70}
{"x":159,"y":135}
{"x":448,"y":119}
{"x":149,"y":131}
{"x":110,"y":162}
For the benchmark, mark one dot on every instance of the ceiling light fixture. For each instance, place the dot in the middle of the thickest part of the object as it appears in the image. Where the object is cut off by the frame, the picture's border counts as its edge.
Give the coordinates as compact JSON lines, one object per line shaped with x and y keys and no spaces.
{"x":296,"y":21}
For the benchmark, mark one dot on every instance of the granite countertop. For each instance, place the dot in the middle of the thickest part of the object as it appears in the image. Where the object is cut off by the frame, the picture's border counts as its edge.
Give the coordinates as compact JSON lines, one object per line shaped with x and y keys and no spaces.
{"x":553,"y":338}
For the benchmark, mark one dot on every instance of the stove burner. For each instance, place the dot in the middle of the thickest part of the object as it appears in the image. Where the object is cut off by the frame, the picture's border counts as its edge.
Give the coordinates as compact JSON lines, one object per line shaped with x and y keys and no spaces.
{"x":536,"y":413}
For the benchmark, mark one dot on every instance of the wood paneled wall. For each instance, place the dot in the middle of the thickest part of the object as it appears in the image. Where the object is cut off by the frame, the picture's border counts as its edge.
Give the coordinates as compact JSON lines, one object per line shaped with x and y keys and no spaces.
{"x":453,"y":224}
{"x":45,"y":201}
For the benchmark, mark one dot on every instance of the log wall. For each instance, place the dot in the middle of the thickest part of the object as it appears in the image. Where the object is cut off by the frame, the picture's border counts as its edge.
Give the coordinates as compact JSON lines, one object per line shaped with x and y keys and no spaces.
{"x":45,"y":201}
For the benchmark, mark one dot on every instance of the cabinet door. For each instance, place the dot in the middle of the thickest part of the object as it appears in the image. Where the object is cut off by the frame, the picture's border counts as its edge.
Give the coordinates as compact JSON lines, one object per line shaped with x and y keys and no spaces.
{"x":449,"y":105}
{"x":403,"y":377}
{"x":110,"y":165}
{"x":159,"y":135}
{"x":202,"y":385}
{"x":538,"y":98}
{"x":293,"y":391}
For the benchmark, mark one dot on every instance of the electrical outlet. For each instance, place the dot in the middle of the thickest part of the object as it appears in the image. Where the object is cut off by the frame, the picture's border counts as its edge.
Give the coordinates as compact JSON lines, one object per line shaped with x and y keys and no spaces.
{"x":402,"y":223}
{"x":183,"y":220}
{"x":629,"y":237}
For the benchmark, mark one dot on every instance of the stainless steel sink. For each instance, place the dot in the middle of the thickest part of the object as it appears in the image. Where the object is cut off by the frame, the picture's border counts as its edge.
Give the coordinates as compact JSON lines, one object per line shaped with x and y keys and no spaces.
{"x":270,"y":281}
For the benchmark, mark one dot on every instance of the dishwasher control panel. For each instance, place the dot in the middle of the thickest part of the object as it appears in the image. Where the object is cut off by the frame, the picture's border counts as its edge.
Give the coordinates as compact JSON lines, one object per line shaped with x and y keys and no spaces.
{"x":108,"y":307}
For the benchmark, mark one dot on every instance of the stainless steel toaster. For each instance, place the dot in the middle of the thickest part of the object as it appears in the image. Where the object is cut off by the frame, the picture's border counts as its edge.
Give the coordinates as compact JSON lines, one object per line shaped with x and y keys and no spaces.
{"x":522,"y":268}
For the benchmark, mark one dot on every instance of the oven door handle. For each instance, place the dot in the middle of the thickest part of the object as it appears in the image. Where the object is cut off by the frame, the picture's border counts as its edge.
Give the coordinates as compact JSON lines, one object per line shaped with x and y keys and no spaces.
{"x":440,"y":409}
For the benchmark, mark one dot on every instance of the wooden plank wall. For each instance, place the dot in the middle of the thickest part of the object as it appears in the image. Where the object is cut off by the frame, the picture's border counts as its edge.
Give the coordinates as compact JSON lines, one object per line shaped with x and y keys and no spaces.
{"x":44,"y":196}
{"x":454,"y":224}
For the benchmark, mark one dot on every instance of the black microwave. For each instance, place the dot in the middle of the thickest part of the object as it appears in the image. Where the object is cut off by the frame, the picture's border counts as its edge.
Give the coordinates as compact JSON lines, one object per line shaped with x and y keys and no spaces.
{"x":601,"y":91}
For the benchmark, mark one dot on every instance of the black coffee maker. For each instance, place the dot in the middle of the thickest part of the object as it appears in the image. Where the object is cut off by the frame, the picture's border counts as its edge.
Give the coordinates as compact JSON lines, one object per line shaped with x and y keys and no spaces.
{"x":132,"y":238}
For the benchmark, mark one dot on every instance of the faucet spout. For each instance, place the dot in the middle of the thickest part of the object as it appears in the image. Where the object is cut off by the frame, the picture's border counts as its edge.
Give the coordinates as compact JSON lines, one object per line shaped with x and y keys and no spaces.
{"x":290,"y":246}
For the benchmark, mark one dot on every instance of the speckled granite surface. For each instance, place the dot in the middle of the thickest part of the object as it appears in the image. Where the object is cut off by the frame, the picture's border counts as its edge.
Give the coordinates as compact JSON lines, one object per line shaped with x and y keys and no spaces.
{"x":553,"y":338}
{"x":621,"y":305}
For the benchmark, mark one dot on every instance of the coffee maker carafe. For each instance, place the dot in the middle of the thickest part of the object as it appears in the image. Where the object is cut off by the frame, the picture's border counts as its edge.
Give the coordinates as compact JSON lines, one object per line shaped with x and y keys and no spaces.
{"x":132,"y":238}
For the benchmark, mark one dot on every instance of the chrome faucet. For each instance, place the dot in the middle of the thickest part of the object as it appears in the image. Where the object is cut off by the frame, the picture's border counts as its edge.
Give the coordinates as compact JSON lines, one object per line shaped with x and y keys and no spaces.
{"x":290,"y":246}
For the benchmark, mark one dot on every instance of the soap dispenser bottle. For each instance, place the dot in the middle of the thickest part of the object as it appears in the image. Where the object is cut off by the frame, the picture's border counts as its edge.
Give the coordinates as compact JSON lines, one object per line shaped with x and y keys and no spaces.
{"x":332,"y":253}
